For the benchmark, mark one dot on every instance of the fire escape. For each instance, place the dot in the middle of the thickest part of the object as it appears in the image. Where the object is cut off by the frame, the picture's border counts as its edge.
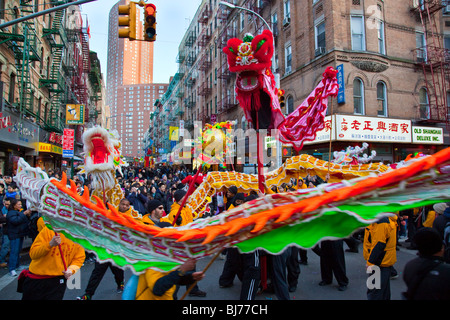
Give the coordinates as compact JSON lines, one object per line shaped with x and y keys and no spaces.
{"x":205,"y":87}
{"x":23,"y":41}
{"x":226,"y":101}
{"x":433,"y":59}
{"x":54,"y":82}
{"x":95,"y":79}
{"x":80,"y":85}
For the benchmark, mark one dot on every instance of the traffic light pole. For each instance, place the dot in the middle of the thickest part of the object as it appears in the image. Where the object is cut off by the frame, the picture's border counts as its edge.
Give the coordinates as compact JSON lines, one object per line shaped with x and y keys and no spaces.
{"x":38,"y":14}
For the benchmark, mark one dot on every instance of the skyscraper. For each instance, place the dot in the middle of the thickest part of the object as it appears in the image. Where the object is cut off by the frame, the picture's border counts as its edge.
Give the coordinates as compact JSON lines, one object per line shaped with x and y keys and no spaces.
{"x":130,"y":71}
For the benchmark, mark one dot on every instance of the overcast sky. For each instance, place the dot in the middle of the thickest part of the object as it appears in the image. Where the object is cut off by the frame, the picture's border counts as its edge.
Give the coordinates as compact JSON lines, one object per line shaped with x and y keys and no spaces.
{"x":173,"y":18}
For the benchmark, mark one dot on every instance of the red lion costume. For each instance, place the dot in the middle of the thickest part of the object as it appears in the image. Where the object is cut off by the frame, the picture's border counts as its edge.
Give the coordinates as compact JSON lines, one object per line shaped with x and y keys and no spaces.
{"x":257,"y":94}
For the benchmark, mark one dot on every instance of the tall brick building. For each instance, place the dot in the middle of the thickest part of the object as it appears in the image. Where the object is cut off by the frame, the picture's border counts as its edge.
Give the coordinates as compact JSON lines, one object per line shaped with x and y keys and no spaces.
{"x":130,"y":89}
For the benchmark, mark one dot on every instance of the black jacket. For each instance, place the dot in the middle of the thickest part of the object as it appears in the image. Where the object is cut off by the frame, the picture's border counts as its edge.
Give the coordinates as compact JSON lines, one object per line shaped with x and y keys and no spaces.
{"x":440,"y":222}
{"x":431,"y":277}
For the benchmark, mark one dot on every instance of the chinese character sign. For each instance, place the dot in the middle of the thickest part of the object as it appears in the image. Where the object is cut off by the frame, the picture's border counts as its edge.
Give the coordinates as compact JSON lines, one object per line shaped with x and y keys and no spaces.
{"x":354,"y":128}
{"x":68,"y":140}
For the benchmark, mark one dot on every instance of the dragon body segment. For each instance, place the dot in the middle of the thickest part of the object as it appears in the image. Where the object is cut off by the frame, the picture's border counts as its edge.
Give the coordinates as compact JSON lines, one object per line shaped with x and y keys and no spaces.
{"x":357,"y":196}
{"x":301,"y":218}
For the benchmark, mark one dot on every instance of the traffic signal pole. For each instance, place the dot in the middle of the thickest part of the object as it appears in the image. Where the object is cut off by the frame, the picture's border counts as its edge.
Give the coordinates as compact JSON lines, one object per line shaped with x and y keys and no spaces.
{"x":41,"y":13}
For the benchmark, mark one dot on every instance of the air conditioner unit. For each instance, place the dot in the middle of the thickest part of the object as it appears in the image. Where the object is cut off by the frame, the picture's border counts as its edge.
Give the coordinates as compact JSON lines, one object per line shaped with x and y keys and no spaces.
{"x":320,"y":51}
{"x":288,"y":70}
{"x":286,"y":21}
{"x":446,"y":9}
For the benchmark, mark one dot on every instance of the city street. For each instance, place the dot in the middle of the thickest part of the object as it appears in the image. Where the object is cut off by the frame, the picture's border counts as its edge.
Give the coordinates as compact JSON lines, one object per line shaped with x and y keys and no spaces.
{"x":308,"y":288}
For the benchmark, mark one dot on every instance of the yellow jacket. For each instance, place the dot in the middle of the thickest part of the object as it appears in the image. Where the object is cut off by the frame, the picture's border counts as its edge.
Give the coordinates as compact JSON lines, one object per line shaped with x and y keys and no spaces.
{"x":430,"y":219}
{"x":147,"y":282}
{"x":47,"y":261}
{"x":146,"y":219}
{"x":186,"y":215}
{"x":380,"y":240}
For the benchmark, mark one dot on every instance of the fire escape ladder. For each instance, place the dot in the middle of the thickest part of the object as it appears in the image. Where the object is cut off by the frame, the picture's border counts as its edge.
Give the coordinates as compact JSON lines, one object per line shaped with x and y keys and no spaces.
{"x":55,"y":81}
{"x":433,"y":60}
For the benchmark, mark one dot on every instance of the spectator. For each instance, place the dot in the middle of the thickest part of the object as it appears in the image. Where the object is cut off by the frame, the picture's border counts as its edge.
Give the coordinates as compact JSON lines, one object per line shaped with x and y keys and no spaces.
{"x":12,"y":191}
{"x":2,"y":192}
{"x":229,"y":196}
{"x":4,"y":249}
{"x":8,"y":180}
{"x":137,"y":200}
{"x":17,"y":221}
{"x":442,"y":219}
{"x":427,"y":277}
{"x":161,"y":195}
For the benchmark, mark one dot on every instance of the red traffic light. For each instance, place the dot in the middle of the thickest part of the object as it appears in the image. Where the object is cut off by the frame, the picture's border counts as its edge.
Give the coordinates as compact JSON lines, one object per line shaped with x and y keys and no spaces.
{"x":150,"y":9}
{"x":150,"y":22}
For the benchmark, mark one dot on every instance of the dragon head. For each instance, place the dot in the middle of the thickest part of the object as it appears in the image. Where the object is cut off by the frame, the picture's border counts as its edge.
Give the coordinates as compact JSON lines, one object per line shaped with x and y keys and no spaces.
{"x":250,"y":58}
{"x":102,"y":156}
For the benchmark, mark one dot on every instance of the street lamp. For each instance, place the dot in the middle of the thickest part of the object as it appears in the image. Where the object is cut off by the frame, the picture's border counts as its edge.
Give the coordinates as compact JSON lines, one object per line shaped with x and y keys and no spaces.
{"x":277,"y":77}
{"x":232,"y":6}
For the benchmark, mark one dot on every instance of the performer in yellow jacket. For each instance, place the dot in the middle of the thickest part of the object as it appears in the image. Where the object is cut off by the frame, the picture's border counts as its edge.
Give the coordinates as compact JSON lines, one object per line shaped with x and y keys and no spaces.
{"x":380,"y":239}
{"x":155,"y":211}
{"x":156,"y":285}
{"x":48,"y":271}
{"x":185,"y":216}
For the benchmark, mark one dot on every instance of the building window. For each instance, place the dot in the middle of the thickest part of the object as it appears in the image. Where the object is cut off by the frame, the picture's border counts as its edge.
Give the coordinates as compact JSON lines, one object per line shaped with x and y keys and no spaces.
{"x":289,"y":105}
{"x":381,"y":41}
{"x":287,"y":10}
{"x":12,"y":86}
{"x":242,"y":21}
{"x":448,"y":104}
{"x":421,"y":47}
{"x":320,"y":38}
{"x":274,"y":20}
{"x":358,"y":36}
{"x":382,"y":99}
{"x":447,"y":42}
{"x":358,"y":96}
{"x":424,"y":107}
{"x":288,"y":59}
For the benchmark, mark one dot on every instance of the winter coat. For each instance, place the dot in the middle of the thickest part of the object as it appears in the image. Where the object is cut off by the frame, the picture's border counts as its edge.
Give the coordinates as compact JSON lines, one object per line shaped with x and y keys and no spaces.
{"x":138,"y":202}
{"x":18,"y":224}
{"x":441,"y":220}
{"x":380,"y":241}
{"x":157,"y":285}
